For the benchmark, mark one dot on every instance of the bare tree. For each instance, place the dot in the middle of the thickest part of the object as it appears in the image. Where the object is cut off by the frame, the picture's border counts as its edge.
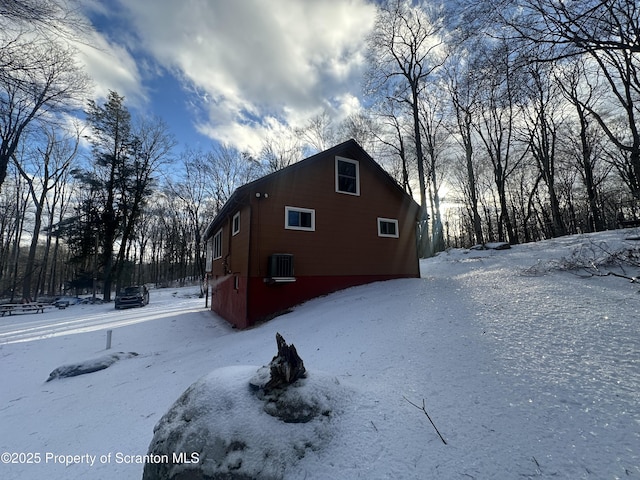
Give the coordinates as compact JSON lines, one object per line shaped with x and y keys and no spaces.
{"x":542,"y":120}
{"x":361,"y":127}
{"x":15,"y":201}
{"x":318,"y":133}
{"x":435,"y":137}
{"x":57,"y":206}
{"x":279,"y":150}
{"x":39,"y":76}
{"x":392,"y":136}
{"x":55,"y":17}
{"x":404,"y":53}
{"x":462,"y":87}
{"x":605,"y":31}
{"x":9,"y":220}
{"x":584,"y":139}
{"x":569,"y":28}
{"x":194,"y":195}
{"x":48,"y":166}
{"x":496,"y":125}
{"x":230,"y":169}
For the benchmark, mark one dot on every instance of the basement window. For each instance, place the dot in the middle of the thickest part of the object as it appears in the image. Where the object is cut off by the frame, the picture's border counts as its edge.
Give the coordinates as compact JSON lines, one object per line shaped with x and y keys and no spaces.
{"x":347,"y":176}
{"x":296,"y":218}
{"x":387,"y":227}
{"x":280,"y":269}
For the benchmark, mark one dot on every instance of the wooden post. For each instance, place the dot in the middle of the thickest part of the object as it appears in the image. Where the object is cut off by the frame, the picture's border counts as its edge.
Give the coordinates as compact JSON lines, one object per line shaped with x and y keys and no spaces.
{"x":109,"y":332}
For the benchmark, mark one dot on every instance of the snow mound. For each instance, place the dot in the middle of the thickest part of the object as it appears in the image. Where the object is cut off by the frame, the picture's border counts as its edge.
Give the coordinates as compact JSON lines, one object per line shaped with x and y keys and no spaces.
{"x":228,"y":430}
{"x":492,"y":246}
{"x":88,"y":366}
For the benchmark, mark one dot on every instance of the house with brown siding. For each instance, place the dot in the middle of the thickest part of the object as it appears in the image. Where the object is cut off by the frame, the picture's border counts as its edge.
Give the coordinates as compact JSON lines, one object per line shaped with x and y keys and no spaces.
{"x":328,"y":222}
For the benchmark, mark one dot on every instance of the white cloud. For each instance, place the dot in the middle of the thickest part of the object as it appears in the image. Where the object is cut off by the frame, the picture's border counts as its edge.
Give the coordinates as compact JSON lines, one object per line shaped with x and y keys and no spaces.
{"x":106,"y":55}
{"x":252,"y":59}
{"x":111,"y":67}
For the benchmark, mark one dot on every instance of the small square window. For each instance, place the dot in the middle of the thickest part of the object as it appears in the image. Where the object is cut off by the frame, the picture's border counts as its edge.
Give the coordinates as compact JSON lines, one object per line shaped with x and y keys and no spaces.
{"x":347,"y":176}
{"x":299,"y":218}
{"x":388,"y":227}
{"x":235,"y":224}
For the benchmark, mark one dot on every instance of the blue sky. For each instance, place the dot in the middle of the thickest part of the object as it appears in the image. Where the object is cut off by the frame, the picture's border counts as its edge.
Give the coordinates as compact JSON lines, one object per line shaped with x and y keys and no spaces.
{"x":229,"y":71}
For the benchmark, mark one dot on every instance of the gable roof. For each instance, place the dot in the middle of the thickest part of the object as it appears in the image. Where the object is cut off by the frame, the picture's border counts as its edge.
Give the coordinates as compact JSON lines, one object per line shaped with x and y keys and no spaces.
{"x":239,"y":194}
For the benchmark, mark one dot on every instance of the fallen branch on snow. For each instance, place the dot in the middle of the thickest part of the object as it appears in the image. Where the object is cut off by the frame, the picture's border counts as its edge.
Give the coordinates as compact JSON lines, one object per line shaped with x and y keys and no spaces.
{"x":594,"y":260}
{"x":424,"y":409}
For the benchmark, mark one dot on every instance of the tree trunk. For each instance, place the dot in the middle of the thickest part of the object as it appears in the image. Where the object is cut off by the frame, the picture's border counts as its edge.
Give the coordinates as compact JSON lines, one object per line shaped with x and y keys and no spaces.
{"x":286,"y":367}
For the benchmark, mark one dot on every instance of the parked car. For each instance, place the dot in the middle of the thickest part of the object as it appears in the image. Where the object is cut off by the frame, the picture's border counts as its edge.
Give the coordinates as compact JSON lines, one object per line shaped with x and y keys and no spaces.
{"x":66,"y":300}
{"x":133,"y":296}
{"x":91,"y":301}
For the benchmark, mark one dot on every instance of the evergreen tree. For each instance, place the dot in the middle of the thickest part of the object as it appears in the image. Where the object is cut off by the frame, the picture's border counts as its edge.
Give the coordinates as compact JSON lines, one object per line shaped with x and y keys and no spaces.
{"x":112,"y":148}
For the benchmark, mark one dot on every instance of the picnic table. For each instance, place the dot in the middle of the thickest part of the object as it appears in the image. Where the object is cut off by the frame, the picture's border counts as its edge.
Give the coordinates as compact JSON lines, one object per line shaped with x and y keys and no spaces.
{"x":22,"y":307}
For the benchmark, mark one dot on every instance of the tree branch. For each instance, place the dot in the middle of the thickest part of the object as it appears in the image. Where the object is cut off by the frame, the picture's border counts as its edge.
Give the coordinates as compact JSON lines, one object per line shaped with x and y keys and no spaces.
{"x":424,"y":409}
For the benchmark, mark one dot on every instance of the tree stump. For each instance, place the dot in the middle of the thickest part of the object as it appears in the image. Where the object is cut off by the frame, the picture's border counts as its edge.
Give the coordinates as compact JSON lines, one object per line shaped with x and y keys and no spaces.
{"x":286,"y":367}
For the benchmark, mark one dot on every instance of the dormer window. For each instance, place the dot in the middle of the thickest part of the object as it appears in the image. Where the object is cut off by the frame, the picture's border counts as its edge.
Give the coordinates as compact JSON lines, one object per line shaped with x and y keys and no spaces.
{"x":347,"y":176}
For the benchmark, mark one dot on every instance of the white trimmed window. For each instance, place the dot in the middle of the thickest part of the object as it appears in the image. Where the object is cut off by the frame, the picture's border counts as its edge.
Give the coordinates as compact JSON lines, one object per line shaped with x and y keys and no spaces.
{"x":217,"y":245}
{"x":235,"y":224}
{"x":296,"y":218}
{"x":347,"y":176}
{"x":387,"y":227}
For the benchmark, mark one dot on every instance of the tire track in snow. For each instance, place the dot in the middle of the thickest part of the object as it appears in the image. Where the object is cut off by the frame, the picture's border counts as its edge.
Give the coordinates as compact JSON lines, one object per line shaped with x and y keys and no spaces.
{"x":21,"y":330}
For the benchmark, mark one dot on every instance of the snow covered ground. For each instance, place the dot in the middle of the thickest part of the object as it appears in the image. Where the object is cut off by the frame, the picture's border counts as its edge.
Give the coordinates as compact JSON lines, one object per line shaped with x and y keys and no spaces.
{"x":529,"y":370}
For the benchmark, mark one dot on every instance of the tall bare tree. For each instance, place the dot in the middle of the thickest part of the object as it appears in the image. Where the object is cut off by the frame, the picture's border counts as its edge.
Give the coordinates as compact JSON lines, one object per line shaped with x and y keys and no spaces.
{"x":497,"y":125}
{"x":541,"y":115}
{"x":194,"y":196}
{"x":57,"y":206}
{"x":14,"y":201}
{"x":435,"y":136}
{"x":462,"y":86}
{"x":403,"y":53}
{"x":47,"y":167}
{"x":584,"y":141}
